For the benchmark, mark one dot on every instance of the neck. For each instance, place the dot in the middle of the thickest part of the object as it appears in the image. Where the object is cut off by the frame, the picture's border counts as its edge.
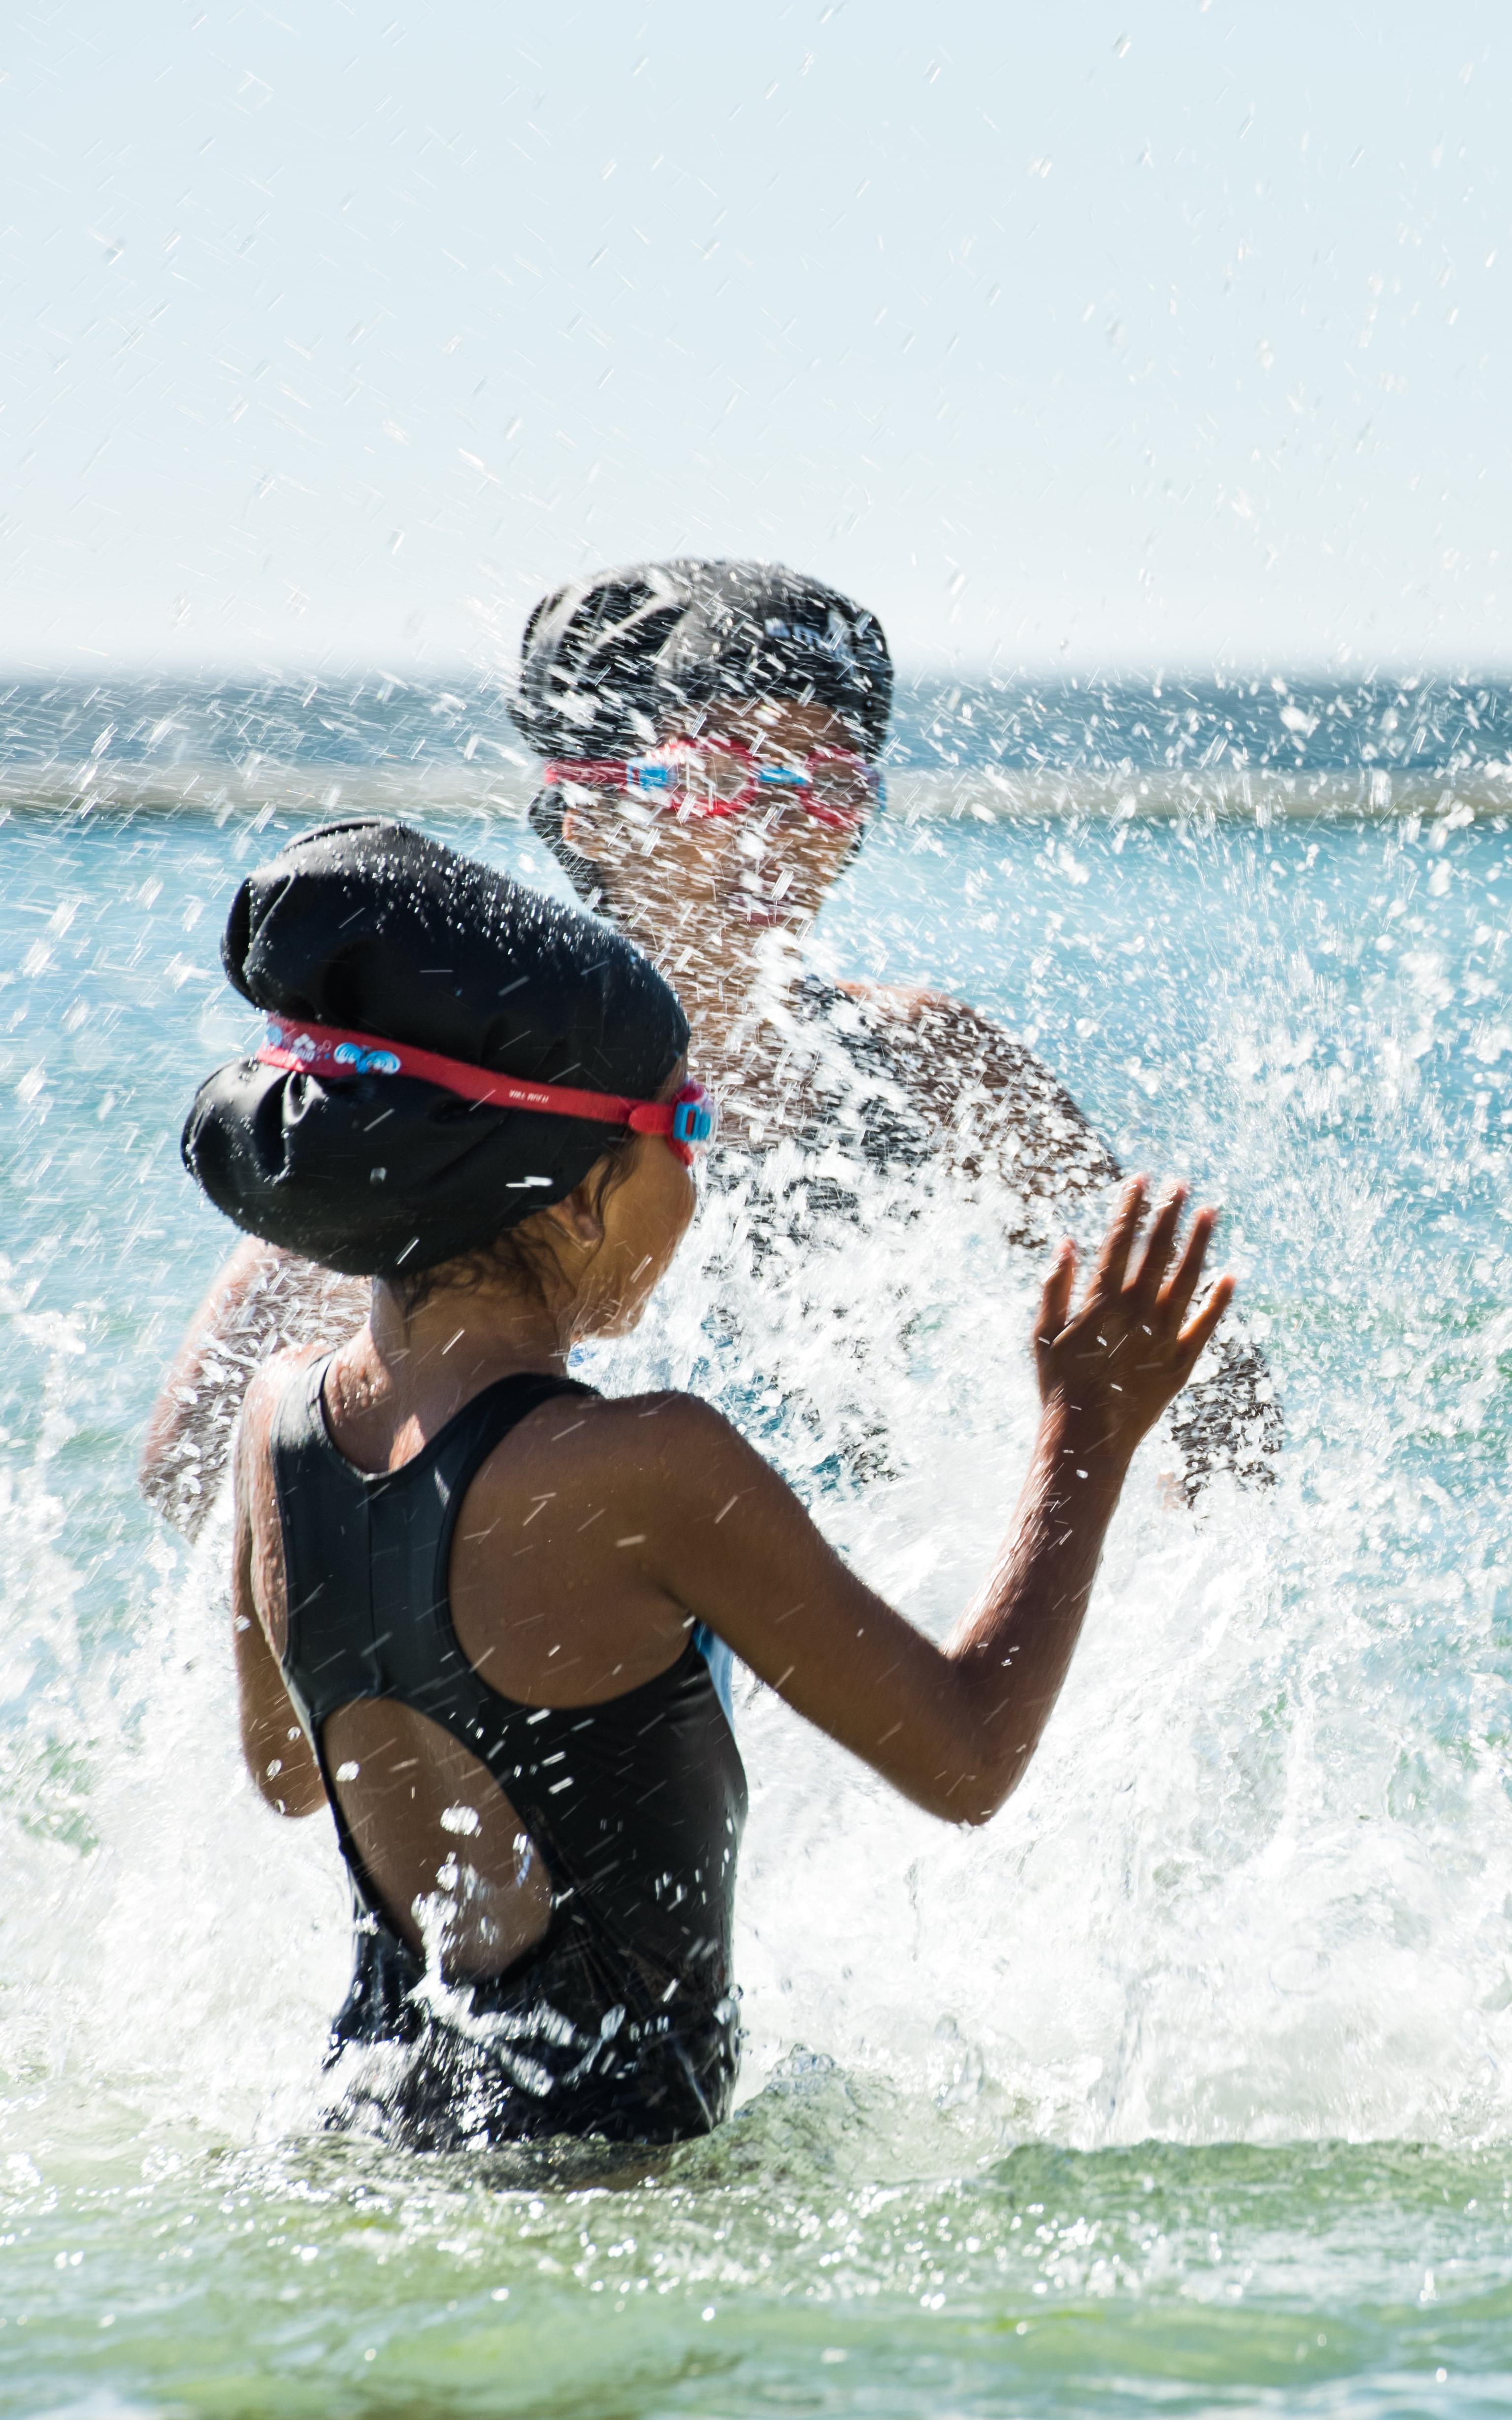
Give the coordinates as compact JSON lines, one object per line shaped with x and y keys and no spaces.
{"x":428,"y":1362}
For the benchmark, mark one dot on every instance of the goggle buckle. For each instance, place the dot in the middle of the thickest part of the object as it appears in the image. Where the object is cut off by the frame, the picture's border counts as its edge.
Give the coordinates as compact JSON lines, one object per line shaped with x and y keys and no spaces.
{"x":692,"y":1121}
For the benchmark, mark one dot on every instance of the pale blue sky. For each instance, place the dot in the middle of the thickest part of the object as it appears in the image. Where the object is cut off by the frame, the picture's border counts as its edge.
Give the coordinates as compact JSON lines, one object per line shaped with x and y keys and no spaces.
{"x":1107,"y":333}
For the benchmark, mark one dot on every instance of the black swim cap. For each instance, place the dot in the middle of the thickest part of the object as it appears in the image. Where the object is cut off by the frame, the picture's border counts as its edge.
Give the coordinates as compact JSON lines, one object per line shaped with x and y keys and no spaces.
{"x":370,"y":926}
{"x":608,"y":666}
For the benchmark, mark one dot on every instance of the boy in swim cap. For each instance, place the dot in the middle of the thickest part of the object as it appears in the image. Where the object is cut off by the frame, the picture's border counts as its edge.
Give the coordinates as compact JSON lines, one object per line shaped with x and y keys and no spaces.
{"x":712,"y":734}
{"x":475,"y":1603}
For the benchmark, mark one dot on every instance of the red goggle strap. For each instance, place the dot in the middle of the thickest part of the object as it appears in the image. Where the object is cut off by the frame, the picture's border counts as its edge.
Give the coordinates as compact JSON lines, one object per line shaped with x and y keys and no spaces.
{"x":622,"y":773}
{"x":589,"y":775}
{"x":331,"y":1050}
{"x":652,"y":775}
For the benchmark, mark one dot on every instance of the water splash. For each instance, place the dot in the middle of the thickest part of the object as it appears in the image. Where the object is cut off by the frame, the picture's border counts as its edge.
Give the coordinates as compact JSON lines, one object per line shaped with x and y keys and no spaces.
{"x":1253,"y":1888}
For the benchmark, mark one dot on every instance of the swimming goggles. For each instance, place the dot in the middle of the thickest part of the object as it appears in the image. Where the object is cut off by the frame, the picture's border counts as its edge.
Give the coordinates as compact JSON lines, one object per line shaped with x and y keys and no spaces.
{"x":686,"y":1123}
{"x":700,"y":780}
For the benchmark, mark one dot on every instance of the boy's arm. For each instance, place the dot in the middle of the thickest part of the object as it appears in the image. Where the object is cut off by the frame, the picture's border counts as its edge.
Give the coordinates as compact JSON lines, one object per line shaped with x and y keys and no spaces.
{"x":995,"y":1105}
{"x":1000,"y":1109}
{"x":1231,"y":1418}
{"x":262,"y":1301}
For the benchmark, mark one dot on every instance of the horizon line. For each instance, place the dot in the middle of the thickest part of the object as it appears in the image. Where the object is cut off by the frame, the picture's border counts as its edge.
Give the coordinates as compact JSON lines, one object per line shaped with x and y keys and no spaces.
{"x":974,"y":673}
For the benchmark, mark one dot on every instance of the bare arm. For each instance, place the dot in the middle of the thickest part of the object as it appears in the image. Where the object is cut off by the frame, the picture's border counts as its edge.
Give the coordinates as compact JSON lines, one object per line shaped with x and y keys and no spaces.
{"x":1231,"y":1418}
{"x":1000,"y":1109}
{"x":277,"y":1755}
{"x":261,"y":1301}
{"x":995,"y":1105}
{"x":954,"y":1728}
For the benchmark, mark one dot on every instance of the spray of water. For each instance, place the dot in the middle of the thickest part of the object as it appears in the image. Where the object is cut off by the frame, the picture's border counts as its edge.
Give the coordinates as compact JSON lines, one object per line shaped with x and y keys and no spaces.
{"x":1253,"y":1888}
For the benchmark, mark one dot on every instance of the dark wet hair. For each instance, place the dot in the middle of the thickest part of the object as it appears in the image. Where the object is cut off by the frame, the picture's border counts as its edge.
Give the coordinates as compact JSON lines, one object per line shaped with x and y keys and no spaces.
{"x":371,"y":926}
{"x":609,"y":665}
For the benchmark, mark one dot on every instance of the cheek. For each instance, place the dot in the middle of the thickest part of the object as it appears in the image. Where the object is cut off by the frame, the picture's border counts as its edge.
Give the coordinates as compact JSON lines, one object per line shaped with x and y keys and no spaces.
{"x":661,"y":1215}
{"x":715,"y":849}
{"x":815,"y":855}
{"x":687,"y":1201}
{"x":676,"y":1200}
{"x":685,"y":862}
{"x":831,"y":848}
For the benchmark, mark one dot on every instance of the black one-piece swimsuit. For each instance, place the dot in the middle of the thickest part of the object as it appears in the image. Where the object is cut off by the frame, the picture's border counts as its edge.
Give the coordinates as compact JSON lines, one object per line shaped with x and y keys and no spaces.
{"x":621,"y":2021}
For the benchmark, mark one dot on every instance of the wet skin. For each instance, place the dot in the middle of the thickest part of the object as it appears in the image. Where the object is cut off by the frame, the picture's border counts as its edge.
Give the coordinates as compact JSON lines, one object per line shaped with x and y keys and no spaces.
{"x":645,"y":1514}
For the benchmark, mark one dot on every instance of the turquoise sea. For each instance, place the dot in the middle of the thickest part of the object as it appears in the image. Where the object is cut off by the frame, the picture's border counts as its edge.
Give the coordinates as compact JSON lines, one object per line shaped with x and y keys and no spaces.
{"x":1185,"y":2088}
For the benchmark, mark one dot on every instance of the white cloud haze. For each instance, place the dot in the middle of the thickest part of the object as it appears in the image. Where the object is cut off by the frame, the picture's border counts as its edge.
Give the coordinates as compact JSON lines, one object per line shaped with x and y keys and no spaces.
{"x":1098,"y":335}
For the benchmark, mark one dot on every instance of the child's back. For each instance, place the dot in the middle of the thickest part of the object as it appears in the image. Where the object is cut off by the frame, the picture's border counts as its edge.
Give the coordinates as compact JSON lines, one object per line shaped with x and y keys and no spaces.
{"x":533,"y":1777}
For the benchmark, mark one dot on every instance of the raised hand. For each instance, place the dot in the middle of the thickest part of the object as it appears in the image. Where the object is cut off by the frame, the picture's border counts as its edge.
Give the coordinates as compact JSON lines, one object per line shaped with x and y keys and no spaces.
{"x":719,"y":1537}
{"x":1114,"y":1366}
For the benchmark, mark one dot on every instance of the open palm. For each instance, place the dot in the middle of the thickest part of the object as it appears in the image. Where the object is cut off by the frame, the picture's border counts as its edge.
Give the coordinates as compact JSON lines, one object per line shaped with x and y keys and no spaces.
{"x":1122,"y":1357}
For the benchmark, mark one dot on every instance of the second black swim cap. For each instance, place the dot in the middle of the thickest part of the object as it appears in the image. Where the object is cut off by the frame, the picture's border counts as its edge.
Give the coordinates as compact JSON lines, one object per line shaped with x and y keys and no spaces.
{"x":608,"y":665}
{"x":370,"y":926}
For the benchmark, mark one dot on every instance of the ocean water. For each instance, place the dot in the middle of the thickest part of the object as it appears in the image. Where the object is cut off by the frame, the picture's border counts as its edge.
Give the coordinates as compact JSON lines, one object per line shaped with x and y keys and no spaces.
{"x":1187,"y":2085}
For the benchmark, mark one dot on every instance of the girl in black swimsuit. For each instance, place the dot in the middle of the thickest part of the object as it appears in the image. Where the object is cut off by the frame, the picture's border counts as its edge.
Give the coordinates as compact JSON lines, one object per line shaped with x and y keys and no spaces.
{"x":476,"y":1604}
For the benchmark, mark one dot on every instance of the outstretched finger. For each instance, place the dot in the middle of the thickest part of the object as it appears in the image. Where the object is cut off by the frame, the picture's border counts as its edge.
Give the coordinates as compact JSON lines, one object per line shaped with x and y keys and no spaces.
{"x":1112,"y":1260}
{"x":1161,"y":1241}
{"x":1196,"y":1336}
{"x":1055,"y":1297}
{"x":1182,"y":1285}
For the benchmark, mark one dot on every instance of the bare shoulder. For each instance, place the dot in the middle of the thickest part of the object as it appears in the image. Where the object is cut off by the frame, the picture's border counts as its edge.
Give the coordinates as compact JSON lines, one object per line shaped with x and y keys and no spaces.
{"x":994,"y":1099}
{"x":904,"y":1003}
{"x":956,"y":1037}
{"x":264,"y":1389}
{"x":260,"y":1300}
{"x":582,"y":1478}
{"x":937,"y":1013}
{"x":278,"y":1286}
{"x":607,"y":1510}
{"x":599,"y":1441}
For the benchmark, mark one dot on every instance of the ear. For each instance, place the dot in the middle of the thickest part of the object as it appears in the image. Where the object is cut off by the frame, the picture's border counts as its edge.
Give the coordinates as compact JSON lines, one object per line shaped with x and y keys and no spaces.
{"x":577,"y":1218}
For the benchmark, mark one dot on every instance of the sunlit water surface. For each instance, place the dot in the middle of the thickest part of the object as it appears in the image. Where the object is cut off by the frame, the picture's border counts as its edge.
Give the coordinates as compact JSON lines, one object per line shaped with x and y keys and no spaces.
{"x":1186,"y":2084}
